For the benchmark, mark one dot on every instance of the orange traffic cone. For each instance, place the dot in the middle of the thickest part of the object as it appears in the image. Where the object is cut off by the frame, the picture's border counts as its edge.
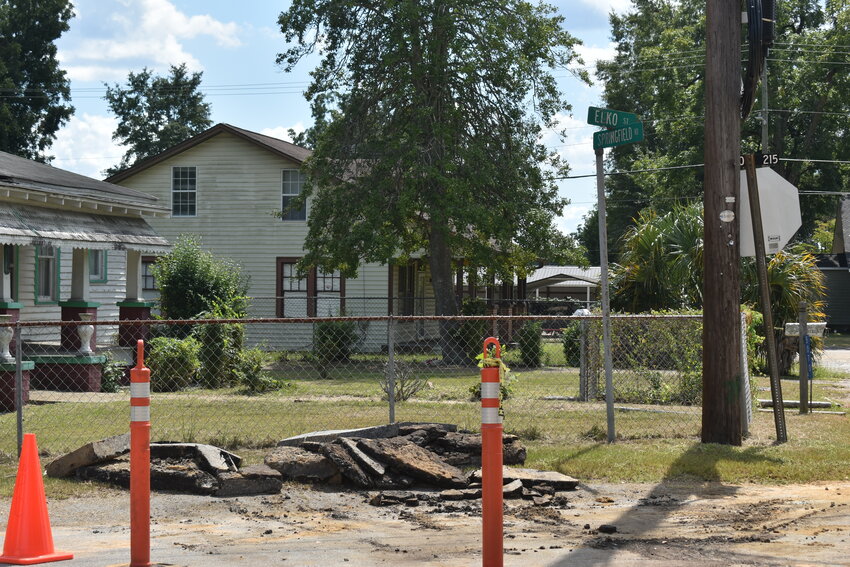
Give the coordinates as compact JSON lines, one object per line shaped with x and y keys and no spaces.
{"x":28,"y":536}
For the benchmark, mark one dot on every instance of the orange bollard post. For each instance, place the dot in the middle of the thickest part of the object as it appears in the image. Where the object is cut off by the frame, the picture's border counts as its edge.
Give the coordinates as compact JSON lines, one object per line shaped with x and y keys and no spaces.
{"x":140,"y":461}
{"x":491,"y":461}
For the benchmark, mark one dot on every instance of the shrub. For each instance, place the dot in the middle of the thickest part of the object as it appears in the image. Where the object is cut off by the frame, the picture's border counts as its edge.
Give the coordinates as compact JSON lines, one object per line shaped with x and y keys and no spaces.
{"x":530,"y":343}
{"x":406,"y":383}
{"x":470,"y":335}
{"x":192,"y":281}
{"x":249,"y":373}
{"x":173,"y":363}
{"x":221,"y":347}
{"x":333,"y":341}
{"x":571,"y":341}
{"x":111,"y":374}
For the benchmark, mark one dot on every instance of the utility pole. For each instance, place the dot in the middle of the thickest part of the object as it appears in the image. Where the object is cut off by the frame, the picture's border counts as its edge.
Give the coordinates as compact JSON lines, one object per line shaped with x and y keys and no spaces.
{"x":721,"y":405}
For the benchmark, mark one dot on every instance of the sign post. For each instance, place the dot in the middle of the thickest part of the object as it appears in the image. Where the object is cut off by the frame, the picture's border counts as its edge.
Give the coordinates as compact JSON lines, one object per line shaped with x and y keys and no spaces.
{"x":621,"y":128}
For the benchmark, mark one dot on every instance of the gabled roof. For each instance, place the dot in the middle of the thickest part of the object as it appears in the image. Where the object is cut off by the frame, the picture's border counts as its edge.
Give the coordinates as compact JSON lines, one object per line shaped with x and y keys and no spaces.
{"x":280,"y":147}
{"x":552,"y":275}
{"x":24,"y":176}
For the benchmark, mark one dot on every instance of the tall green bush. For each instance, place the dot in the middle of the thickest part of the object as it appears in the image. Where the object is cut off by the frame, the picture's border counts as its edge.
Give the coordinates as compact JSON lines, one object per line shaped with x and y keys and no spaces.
{"x":193,"y":281}
{"x":571,"y":342}
{"x":333,"y":343}
{"x":173,"y":363}
{"x":530,"y":342}
{"x":221,"y":347}
{"x":470,"y":335}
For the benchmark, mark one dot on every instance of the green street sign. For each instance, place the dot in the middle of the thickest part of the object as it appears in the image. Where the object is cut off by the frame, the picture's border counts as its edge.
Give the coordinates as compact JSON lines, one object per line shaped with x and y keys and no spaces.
{"x":626,"y":135}
{"x":610,"y":118}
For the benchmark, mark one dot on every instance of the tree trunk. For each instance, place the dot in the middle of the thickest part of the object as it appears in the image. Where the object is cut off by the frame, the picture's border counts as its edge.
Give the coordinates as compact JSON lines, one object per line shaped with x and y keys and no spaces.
{"x":445,"y":300}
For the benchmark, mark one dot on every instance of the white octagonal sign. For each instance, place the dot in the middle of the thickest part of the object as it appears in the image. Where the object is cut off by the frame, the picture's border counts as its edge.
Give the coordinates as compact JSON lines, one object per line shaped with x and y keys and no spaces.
{"x":780,"y":212}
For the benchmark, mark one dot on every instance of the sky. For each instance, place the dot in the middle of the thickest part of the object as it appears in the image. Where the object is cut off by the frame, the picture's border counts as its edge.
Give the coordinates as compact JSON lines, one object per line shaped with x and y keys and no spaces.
{"x":235,"y":45}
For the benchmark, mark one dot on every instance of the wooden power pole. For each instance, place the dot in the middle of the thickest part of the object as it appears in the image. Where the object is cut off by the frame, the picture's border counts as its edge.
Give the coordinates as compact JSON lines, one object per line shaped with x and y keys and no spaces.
{"x":721,"y":406}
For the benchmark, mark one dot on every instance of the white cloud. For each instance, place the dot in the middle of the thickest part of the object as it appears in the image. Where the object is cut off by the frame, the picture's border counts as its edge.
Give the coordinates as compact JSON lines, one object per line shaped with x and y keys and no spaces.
{"x":282,"y":132}
{"x":590,"y":54}
{"x":146,"y":32}
{"x":607,"y":6}
{"x":85,"y":145}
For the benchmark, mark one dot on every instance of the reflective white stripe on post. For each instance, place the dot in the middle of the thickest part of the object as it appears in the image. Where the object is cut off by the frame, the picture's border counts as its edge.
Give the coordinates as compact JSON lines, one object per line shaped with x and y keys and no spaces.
{"x":490,"y":415}
{"x":489,"y":390}
{"x":140,"y":389}
{"x":140,"y":413}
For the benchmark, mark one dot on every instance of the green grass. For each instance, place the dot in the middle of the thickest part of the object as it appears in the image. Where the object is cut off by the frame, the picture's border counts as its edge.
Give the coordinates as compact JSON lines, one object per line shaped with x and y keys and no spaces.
{"x":653,"y":443}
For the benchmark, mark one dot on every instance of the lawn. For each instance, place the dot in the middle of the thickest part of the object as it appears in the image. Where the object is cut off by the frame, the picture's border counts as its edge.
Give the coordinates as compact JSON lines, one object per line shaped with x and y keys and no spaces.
{"x":561,"y":432}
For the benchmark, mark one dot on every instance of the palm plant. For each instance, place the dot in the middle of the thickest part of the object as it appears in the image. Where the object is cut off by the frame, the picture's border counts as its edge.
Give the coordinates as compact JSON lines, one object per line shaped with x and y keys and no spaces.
{"x":661,"y":262}
{"x":661,"y":267}
{"x":792,"y":278}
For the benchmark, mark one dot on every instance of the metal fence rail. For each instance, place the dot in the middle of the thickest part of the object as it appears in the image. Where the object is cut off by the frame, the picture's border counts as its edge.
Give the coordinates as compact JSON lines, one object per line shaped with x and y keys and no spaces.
{"x":252,"y":382}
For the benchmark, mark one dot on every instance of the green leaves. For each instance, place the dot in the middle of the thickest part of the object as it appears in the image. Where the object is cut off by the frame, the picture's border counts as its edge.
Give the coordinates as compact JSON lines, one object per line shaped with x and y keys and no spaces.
{"x":193,"y":281}
{"x":427,"y":125}
{"x":156,"y":113}
{"x":35,"y":91}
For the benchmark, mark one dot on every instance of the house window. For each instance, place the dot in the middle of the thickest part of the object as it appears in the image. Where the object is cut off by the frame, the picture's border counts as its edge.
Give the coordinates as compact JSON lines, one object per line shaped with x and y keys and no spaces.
{"x":97,"y":266}
{"x":184,"y":191}
{"x":330,"y":293}
{"x":293,"y":185}
{"x":47,"y":276}
{"x":148,"y":279}
{"x":317,"y":293}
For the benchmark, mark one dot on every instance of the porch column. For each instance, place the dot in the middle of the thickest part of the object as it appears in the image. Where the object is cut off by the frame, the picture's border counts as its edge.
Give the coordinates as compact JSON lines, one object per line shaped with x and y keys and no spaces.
{"x":8,"y":306}
{"x":79,"y":301}
{"x":134,"y":307}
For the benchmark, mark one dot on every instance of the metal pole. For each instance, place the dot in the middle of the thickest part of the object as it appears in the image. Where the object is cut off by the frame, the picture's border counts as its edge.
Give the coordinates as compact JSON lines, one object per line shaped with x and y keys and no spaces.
{"x":606,"y":306}
{"x":802,"y":318}
{"x":391,"y":366}
{"x":746,"y":394}
{"x":19,"y":387}
{"x":764,"y":292}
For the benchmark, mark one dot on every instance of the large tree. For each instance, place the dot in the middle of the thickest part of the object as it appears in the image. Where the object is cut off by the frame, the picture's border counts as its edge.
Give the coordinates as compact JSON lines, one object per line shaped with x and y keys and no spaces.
{"x":155,"y":113}
{"x":34,"y":91}
{"x":658,"y":73}
{"x":431,"y":115}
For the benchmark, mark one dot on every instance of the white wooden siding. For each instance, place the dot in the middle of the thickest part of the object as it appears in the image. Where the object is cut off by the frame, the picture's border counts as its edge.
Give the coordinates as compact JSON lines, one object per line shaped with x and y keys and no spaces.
{"x":238,"y":189}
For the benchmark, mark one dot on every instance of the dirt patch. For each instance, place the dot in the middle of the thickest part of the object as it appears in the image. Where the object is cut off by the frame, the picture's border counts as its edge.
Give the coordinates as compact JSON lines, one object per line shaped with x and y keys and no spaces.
{"x":664,"y":524}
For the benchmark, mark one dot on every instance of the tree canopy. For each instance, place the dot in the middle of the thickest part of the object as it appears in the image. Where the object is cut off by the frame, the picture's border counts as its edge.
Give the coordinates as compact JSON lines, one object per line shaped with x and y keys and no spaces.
{"x":193,"y":281}
{"x":658,"y":73}
{"x":34,"y":91}
{"x":428,"y":118}
{"x":155,"y":113}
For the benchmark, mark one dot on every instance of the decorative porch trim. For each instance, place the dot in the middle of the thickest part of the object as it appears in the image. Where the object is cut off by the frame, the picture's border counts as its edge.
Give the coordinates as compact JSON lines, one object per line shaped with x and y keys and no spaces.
{"x":79,"y":303}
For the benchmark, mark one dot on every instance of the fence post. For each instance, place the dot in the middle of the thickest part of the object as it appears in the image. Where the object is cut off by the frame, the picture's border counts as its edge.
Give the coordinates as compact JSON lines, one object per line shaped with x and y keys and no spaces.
{"x":140,"y":461}
{"x":746,"y":395}
{"x":803,"y":319}
{"x":391,"y":366}
{"x":19,"y":387}
{"x":491,"y":461}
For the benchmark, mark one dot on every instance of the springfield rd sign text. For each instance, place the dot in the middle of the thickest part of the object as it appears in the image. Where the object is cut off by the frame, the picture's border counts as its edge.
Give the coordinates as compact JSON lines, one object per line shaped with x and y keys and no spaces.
{"x":622,"y":127}
{"x":626,"y":135}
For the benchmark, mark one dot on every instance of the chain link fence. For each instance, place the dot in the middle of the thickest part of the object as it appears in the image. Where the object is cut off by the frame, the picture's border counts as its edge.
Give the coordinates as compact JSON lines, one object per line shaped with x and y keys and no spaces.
{"x":251,"y":382}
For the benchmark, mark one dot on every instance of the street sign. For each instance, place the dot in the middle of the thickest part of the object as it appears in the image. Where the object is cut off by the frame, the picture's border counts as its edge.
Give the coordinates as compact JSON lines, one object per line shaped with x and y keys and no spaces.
{"x":780,"y":212}
{"x":610,"y":118}
{"x":619,"y":136}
